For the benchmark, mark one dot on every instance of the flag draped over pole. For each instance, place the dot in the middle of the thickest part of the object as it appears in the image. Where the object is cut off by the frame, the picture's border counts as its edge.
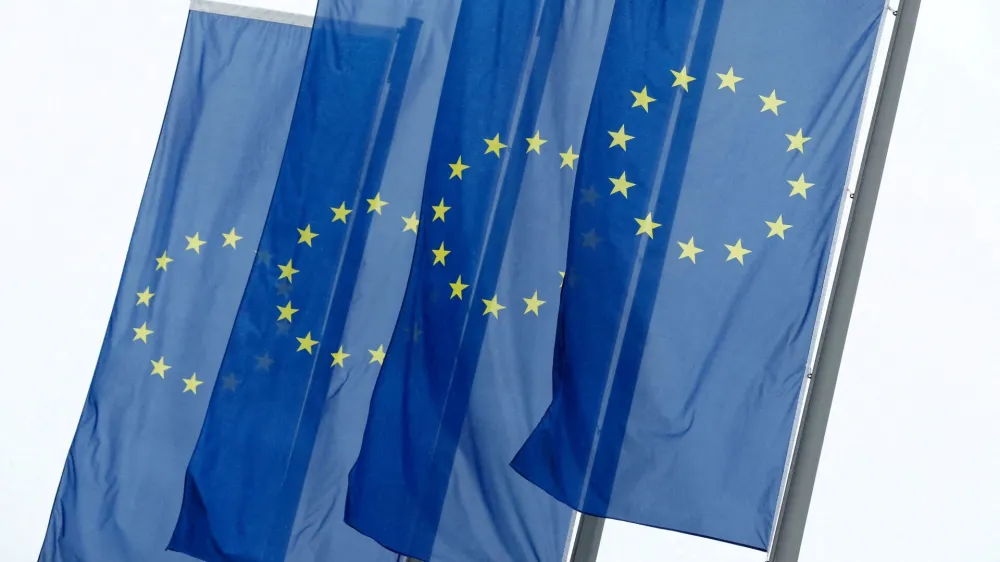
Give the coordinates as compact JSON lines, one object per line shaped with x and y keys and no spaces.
{"x":682,"y":350}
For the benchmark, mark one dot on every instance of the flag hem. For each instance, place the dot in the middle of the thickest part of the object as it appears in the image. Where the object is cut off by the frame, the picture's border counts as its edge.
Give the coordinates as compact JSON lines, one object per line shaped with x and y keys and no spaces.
{"x":250,"y":12}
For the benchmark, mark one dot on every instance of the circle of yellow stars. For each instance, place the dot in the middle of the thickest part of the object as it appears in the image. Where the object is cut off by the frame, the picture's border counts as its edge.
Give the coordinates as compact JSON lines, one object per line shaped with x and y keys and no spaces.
{"x":309,"y":344}
{"x":287,"y":271}
{"x":642,"y":99}
{"x":285,"y":276}
{"x":143,"y":334}
{"x":495,"y":146}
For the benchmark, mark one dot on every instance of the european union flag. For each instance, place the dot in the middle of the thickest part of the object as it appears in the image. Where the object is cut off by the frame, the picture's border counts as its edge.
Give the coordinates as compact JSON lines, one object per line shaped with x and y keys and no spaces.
{"x":691,"y":158}
{"x":451,"y":408}
{"x":719,"y":140}
{"x":193,"y":245}
{"x":267,"y":479}
{"x":284,"y":418}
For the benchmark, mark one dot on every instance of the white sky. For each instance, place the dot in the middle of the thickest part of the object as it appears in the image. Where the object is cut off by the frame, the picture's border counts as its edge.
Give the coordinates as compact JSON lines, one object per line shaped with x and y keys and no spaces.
{"x":911,"y":465}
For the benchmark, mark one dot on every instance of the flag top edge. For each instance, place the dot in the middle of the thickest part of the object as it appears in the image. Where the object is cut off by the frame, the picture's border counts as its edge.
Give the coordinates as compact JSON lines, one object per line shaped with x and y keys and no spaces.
{"x":262,"y":14}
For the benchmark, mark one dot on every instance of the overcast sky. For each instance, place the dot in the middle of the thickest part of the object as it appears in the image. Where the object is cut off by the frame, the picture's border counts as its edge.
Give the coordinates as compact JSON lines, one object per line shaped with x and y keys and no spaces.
{"x":911,"y":466}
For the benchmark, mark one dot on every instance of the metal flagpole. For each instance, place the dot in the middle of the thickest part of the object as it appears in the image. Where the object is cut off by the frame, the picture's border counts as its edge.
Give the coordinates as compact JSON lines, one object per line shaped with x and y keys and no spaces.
{"x":791,"y":521}
{"x":588,"y":539}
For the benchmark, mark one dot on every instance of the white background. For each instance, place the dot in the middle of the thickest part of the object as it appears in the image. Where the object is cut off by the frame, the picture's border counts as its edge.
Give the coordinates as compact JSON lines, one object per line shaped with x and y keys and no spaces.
{"x":911,"y":465}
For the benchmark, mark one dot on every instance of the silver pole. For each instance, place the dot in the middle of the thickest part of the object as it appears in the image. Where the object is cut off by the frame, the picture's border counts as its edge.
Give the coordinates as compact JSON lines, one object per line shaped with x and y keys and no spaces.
{"x":791,"y":522}
{"x":588,"y":539}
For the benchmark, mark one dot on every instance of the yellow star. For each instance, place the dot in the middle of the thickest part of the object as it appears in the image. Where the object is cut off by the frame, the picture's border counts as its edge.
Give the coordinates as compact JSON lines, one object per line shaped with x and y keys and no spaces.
{"x":457,"y":168}
{"x":493,"y":307}
{"x":440,"y":210}
{"x":642,"y":99}
{"x":535,"y":143}
{"x":493,"y":145}
{"x":797,"y":142}
{"x":439,"y":255}
{"x":159,"y":368}
{"x":771,"y":103}
{"x":231,"y":238}
{"x":340,"y":213}
{"x":533,"y":303}
{"x":778,"y":228}
{"x":729,"y":79}
{"x":591,"y":239}
{"x":307,"y":343}
{"x":621,"y":185}
{"x":192,"y":383}
{"x":456,"y":288}
{"x":338,"y":358}
{"x":588,"y":196}
{"x":287,"y":271}
{"x":144,"y":297}
{"x":681,"y":78}
{"x":647,"y":225}
{"x":286,"y":312}
{"x":562,"y":278}
{"x":141,"y":333}
{"x":568,"y":158}
{"x":306,"y":235}
{"x":416,"y":332}
{"x":264,"y":362}
{"x":378,"y":355}
{"x":162,"y":261}
{"x":799,"y":186}
{"x":377,"y":203}
{"x":411,"y":222}
{"x":689,"y":250}
{"x":619,"y":138}
{"x":194,"y":243}
{"x":230,"y":382}
{"x":737,"y":251}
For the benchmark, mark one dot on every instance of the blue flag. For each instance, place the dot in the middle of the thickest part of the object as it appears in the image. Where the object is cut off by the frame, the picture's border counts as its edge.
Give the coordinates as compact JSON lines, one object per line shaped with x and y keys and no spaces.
{"x":452,"y":408}
{"x":192,"y":252}
{"x":719,"y":138}
{"x":289,"y":362}
{"x":267,"y":480}
{"x":682,"y":165}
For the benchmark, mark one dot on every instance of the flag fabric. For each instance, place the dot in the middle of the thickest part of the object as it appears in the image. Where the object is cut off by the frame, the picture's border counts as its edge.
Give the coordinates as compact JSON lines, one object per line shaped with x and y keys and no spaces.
{"x":691,"y":157}
{"x":571,"y":251}
{"x":321,"y":308}
{"x":720,"y":137}
{"x":194,"y":245}
{"x":292,"y":362}
{"x":452,"y":407}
